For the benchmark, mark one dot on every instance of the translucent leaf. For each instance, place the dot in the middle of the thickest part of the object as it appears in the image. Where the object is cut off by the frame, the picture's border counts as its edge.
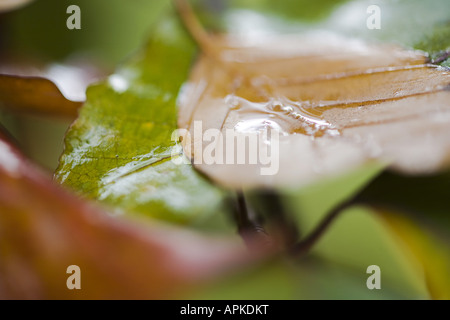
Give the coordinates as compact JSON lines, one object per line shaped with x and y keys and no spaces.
{"x":334,"y":103}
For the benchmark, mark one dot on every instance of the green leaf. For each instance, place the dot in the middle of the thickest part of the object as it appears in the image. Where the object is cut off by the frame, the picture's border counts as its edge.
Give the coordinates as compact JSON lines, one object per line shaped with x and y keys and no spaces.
{"x":120,"y":149}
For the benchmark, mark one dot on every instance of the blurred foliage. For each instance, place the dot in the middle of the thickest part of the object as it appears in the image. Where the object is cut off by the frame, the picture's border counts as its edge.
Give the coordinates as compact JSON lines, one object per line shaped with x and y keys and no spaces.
{"x":304,"y":10}
{"x":115,"y":150}
{"x":437,"y":42}
{"x":110,"y":30}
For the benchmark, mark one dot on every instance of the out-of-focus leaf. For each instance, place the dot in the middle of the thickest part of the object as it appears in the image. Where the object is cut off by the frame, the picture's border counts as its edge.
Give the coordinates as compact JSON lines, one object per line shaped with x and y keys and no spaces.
{"x":120,"y":149}
{"x":44,"y":229}
{"x":35,"y":95}
{"x":429,"y":247}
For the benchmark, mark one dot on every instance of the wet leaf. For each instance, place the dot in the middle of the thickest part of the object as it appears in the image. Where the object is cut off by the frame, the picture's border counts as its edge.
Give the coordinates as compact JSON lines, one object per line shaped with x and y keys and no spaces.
{"x":120,"y":150}
{"x":335,"y":103}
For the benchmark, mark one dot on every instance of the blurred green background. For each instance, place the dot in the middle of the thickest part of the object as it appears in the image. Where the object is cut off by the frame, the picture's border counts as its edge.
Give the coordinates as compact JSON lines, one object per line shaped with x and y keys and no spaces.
{"x":37,"y":34}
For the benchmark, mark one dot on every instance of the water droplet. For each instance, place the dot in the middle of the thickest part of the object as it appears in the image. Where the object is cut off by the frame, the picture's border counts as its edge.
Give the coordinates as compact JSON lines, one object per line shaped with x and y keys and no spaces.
{"x":257,"y":125}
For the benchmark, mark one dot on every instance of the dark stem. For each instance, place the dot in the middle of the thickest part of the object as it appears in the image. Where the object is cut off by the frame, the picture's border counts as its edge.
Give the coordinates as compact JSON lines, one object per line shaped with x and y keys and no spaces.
{"x":249,"y":224}
{"x":255,"y":211}
{"x":306,"y":244}
{"x":284,"y":229}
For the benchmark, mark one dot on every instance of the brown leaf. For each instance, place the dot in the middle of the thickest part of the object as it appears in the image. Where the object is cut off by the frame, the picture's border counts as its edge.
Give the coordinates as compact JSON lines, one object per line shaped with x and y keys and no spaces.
{"x":35,"y":95}
{"x":44,"y":229}
{"x":336,"y":102}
